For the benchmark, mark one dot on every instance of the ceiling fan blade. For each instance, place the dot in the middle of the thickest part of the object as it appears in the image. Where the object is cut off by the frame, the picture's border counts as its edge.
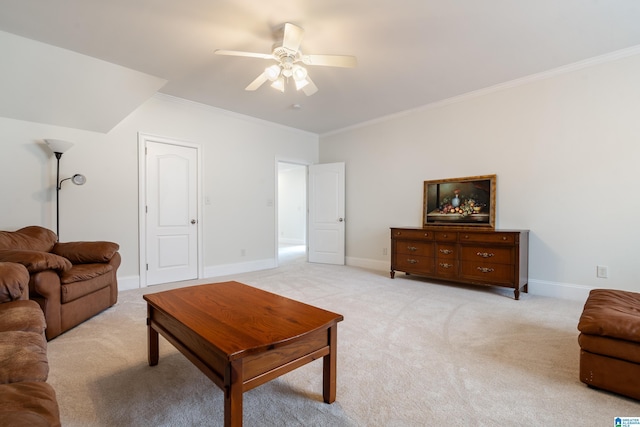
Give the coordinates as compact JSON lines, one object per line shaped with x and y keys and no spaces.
{"x":240,"y":53}
{"x":257,"y":82}
{"x":346,"y":61}
{"x":292,"y":37}
{"x":310,"y":88}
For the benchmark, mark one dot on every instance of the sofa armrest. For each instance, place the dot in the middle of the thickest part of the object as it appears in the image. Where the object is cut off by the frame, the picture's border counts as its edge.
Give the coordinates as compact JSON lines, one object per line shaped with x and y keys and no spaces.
{"x":35,"y":261}
{"x":86,"y":252}
{"x":14,"y":282}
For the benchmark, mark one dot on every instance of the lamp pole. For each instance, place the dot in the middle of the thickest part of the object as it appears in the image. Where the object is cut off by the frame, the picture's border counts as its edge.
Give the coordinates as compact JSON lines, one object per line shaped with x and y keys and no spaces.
{"x":58,"y":155}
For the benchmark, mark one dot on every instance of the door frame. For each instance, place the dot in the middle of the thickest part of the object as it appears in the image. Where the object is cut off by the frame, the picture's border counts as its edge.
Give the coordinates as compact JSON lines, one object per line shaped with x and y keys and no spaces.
{"x":276,"y":204}
{"x":143,"y":138}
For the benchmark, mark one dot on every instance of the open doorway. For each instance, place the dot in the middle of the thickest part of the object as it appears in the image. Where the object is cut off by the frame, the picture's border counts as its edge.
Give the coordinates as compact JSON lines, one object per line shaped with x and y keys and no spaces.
{"x":292,"y":212}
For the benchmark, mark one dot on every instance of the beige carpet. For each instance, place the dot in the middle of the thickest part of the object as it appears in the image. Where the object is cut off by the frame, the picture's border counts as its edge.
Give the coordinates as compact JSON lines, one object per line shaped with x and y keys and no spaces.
{"x":410,"y":353}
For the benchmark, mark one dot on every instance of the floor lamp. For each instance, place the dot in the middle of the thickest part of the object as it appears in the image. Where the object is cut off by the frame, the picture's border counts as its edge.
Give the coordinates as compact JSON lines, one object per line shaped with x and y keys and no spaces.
{"x":58,"y":147}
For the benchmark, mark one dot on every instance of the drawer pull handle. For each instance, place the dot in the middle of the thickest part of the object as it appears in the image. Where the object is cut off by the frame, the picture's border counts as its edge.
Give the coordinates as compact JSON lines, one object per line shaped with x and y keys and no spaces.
{"x":412,"y":248}
{"x":412,"y":261}
{"x":485,"y":254}
{"x":445,"y":265}
{"x":446,"y":251}
{"x":485,"y":269}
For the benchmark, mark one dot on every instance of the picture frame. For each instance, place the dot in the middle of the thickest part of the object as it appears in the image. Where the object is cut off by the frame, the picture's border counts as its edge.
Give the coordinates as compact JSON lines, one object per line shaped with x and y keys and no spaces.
{"x":466,"y":202}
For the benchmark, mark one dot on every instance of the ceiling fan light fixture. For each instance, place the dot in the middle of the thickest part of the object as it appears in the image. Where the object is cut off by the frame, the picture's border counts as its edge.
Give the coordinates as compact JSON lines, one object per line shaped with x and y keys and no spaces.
{"x":299,"y":73}
{"x":278,"y":84}
{"x":286,"y":52}
{"x":272,"y":72}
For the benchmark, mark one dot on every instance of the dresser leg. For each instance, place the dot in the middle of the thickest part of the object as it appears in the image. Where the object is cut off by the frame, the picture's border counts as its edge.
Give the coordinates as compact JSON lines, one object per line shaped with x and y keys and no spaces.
{"x":392,"y":273}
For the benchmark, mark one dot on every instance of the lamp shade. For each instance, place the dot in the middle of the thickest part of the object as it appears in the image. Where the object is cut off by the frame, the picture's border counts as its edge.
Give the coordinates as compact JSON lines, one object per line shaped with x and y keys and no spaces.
{"x":278,"y":84}
{"x":78,"y":179}
{"x":272,"y":72}
{"x":58,"y":145}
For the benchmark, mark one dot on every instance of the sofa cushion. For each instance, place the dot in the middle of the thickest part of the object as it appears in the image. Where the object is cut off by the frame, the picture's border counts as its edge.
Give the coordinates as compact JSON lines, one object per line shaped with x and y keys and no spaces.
{"x":82,"y":272}
{"x":33,"y":238}
{"x":23,"y":357}
{"x":22,"y":315}
{"x":28,"y":404}
{"x":35,"y":261}
{"x":86,"y":284}
{"x":86,"y":252}
{"x":611,"y":313}
{"x":14,"y":282}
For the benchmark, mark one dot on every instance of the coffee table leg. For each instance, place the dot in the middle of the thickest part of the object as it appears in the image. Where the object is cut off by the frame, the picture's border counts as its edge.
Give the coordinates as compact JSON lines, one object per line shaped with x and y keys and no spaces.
{"x":152,"y":339}
{"x":329,"y":367}
{"x":233,"y":395}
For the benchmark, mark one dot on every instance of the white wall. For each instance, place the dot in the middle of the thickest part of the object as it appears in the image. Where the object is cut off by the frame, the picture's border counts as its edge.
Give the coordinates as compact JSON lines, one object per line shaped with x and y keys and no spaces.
{"x":239,"y":178}
{"x":565,"y":149}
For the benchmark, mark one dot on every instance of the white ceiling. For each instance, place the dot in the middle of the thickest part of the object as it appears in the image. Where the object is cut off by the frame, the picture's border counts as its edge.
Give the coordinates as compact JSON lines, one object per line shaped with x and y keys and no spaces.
{"x":410,"y":52}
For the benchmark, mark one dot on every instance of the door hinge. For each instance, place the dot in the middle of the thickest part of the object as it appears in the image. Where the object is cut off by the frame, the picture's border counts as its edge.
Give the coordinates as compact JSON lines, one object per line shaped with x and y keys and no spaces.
{"x":147,"y":267}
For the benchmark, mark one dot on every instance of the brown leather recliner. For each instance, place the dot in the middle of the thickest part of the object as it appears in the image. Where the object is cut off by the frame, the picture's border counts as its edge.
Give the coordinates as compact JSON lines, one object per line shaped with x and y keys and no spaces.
{"x":71,"y":281}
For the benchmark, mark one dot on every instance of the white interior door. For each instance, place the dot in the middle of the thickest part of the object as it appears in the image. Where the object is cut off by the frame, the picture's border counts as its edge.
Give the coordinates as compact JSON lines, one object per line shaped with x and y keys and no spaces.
{"x":171,"y":213}
{"x":326,"y":213}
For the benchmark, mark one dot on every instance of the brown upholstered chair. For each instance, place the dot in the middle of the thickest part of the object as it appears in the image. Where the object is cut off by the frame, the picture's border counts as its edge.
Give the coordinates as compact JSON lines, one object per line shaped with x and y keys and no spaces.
{"x":71,"y":281}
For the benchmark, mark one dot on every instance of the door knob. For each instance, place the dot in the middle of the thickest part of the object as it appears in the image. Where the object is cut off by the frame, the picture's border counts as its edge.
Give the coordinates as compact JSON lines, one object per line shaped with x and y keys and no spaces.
{"x":193,"y":221}
{"x":340,"y":219}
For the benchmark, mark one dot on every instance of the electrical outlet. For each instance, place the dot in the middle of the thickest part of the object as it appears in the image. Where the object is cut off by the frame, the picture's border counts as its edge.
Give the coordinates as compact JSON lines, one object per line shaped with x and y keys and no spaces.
{"x":602,"y":271}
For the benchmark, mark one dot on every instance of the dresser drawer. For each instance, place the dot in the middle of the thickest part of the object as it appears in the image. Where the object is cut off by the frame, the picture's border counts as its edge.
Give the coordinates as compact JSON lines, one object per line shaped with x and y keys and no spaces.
{"x":414,"y":264}
{"x":397,"y":233}
{"x":445,"y":251}
{"x":491,"y":254}
{"x":446,"y":268}
{"x":488,"y":237}
{"x":446,"y":236}
{"x":414,"y":247}
{"x":487,"y":272}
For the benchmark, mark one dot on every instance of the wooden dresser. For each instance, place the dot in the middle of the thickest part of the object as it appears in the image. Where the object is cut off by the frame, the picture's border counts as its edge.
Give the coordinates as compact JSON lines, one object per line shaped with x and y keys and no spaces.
{"x":475,"y":256}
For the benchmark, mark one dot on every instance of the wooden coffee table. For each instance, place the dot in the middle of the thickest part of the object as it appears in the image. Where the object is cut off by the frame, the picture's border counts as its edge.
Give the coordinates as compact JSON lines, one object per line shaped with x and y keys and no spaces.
{"x":242,"y":337}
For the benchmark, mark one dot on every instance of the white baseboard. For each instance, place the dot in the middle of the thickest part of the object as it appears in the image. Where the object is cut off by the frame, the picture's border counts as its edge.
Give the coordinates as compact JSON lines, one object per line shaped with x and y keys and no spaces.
{"x":290,"y":241}
{"x":240,"y":267}
{"x":370,"y":264}
{"x":559,"y":290}
{"x":128,"y":283}
{"x":133,"y":282}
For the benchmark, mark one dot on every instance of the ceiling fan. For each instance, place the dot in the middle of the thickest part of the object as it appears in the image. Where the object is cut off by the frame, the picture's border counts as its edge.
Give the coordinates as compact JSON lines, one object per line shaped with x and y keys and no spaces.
{"x":286,"y":52}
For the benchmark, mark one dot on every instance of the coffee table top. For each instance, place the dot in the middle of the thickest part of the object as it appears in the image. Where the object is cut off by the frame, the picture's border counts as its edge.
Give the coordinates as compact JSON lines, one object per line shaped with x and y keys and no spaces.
{"x":239,"y":319}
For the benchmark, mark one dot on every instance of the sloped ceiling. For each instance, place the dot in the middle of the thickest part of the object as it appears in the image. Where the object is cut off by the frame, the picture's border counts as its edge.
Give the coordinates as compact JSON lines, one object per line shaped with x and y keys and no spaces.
{"x":410,"y":53}
{"x":47,"y":84}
